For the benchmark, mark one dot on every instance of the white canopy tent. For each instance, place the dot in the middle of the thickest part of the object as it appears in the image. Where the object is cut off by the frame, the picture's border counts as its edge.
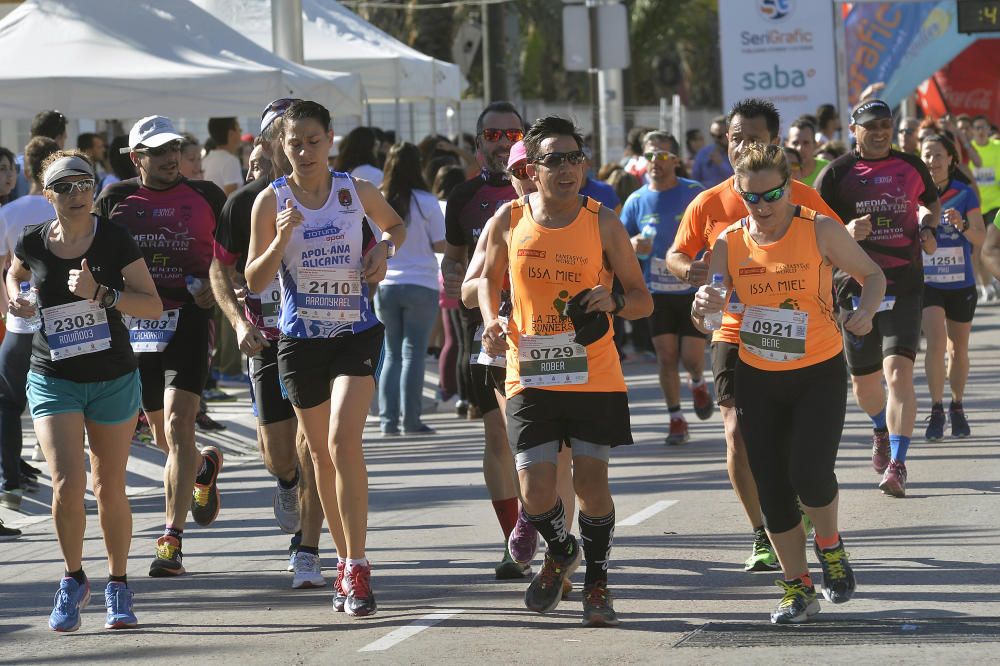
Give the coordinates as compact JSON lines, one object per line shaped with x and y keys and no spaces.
{"x":338,"y":39}
{"x":132,"y":58}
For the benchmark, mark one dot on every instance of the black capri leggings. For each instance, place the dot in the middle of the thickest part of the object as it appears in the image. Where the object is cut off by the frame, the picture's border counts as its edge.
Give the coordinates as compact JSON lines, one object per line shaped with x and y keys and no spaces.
{"x":792,"y":421}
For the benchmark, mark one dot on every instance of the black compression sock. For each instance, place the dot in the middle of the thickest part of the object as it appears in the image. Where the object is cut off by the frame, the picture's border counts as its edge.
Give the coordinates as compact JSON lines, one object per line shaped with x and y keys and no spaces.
{"x":597,"y":533}
{"x":118,"y":579}
{"x":175,"y":532}
{"x":553,"y":528}
{"x":287,"y":485}
{"x":78,"y":576}
{"x":313,"y":550}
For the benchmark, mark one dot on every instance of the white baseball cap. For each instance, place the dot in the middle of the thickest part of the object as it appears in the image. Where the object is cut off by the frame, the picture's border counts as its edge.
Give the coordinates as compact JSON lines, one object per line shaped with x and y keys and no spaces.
{"x":152,"y":132}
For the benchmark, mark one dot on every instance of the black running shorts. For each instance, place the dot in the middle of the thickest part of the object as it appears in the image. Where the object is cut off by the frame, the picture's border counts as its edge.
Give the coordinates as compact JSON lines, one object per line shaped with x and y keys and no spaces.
{"x":183,"y":365}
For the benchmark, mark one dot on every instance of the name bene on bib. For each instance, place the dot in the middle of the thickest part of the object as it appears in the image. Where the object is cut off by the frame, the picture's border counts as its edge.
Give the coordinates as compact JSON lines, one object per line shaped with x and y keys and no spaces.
{"x":75,"y":329}
{"x":947,"y":264}
{"x":329,"y":294}
{"x":661,"y":280}
{"x":775,"y":334}
{"x":153,"y":335}
{"x":270,"y":303}
{"x":551,"y":360}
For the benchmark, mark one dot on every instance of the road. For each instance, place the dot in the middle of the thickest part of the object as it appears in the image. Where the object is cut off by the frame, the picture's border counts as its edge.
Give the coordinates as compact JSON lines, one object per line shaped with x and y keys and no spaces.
{"x":928,"y":589}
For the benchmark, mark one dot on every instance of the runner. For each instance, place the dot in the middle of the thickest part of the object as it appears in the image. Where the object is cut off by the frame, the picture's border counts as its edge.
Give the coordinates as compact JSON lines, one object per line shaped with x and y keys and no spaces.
{"x":950,"y":293}
{"x":286,"y":454}
{"x":330,"y":235}
{"x":893,"y":208}
{"x":790,"y":375}
{"x":802,"y":137}
{"x":906,"y":136}
{"x":987,"y":175}
{"x":87,"y":272}
{"x":554,"y":243}
{"x":651,"y":216}
{"x":469,"y":207}
{"x":173,"y":220}
{"x":750,"y":121}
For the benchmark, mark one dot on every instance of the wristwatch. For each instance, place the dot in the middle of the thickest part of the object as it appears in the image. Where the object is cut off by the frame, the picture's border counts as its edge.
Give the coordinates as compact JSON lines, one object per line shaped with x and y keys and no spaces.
{"x":390,"y":249}
{"x":109,"y":299}
{"x":619,"y":300}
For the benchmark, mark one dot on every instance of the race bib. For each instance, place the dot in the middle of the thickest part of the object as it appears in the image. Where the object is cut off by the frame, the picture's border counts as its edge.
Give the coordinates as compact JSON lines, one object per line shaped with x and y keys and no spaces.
{"x":329,"y":294}
{"x":75,"y":329}
{"x":270,"y":304}
{"x":985,"y":175}
{"x":888,"y":303}
{"x":775,"y":334}
{"x":947,"y":264}
{"x":662,"y":281}
{"x":480,"y":357}
{"x":551,"y":360}
{"x":153,"y":335}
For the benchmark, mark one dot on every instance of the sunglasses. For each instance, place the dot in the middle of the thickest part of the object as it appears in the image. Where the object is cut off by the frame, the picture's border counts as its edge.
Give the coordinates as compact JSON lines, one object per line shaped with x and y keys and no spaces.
{"x":658,"y":156}
{"x":770,"y":196}
{"x":556,"y":160}
{"x":520,"y":172}
{"x":160,"y":151}
{"x":493,"y":134}
{"x":66,"y":187}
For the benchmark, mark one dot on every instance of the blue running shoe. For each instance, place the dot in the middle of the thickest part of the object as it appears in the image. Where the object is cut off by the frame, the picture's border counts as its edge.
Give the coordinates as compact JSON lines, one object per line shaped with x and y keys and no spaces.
{"x":69,"y":601}
{"x":935,"y":426}
{"x":118,"y":601}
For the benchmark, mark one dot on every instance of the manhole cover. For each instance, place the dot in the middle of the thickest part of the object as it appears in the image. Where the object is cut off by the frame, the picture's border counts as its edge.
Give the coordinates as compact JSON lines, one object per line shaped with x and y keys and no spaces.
{"x":849,"y":632}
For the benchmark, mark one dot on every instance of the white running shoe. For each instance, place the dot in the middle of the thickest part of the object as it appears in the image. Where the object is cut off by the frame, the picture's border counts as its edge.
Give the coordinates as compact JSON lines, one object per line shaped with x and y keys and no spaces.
{"x":286,"y":508}
{"x":308,"y":571}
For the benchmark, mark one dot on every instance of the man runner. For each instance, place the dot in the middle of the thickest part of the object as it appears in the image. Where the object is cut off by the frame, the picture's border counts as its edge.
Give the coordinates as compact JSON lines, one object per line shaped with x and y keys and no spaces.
{"x":469,"y":207}
{"x":802,"y":137}
{"x":173,"y":221}
{"x":894,"y":210}
{"x":564,"y":379}
{"x":750,"y":121}
{"x":286,"y":455}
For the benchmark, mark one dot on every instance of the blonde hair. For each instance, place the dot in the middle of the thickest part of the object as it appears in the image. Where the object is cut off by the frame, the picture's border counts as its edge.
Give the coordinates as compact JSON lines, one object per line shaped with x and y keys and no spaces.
{"x":763,"y":157}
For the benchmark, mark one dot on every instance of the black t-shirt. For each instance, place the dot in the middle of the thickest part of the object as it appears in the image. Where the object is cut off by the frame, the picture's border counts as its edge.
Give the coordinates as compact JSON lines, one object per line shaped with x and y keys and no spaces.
{"x":111,"y":250}
{"x":233,"y":231}
{"x":471,"y":205}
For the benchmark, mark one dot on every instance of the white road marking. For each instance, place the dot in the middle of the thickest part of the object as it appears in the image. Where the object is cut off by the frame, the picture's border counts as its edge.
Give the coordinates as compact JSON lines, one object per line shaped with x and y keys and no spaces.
{"x":399,"y":635}
{"x":648,"y":512}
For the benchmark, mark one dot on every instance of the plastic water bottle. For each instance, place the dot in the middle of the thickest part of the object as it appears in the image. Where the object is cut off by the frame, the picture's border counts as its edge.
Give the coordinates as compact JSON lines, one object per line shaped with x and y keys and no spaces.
{"x":648,"y":232}
{"x":33,"y":323}
{"x":193,"y":284}
{"x":713,"y":322}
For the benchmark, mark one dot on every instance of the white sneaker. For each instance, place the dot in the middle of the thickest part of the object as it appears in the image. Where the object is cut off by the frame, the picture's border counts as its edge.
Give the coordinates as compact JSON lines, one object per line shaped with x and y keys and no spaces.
{"x":308,"y":571}
{"x":37,"y":455}
{"x":286,"y":508}
{"x":447,"y":406}
{"x":11,"y":499}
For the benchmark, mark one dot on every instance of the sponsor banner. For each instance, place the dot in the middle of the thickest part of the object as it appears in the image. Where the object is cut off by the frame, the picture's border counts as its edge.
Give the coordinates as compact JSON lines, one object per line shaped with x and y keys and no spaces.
{"x":779,"y":50}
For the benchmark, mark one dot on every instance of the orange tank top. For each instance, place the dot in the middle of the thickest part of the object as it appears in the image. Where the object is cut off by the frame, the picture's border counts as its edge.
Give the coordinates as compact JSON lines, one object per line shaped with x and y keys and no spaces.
{"x":787,"y":293}
{"x":548,"y":267}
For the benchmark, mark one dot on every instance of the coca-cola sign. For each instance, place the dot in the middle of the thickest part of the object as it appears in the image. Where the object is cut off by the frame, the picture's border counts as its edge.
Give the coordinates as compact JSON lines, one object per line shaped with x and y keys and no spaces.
{"x":977,"y":99}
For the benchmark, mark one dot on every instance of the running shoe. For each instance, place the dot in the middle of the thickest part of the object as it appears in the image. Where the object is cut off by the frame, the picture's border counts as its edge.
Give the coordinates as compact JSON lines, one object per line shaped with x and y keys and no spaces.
{"x":28,"y":469}
{"x":894,"y":480}
{"x":678,"y":432}
{"x":360,"y":598}
{"x":339,"y":592}
{"x":205,"y":496}
{"x":422,"y":429}
{"x":286,"y":508}
{"x":308,"y":571}
{"x":206,"y":423}
{"x":598,"y":610}
{"x":959,"y":424}
{"x":881,"y":451}
{"x":462,"y":409}
{"x":67,"y":604}
{"x":216,"y":395}
{"x":143,"y":433}
{"x":798,"y":603}
{"x":509,"y":569}
{"x":762,"y":557}
{"x":235,"y":381}
{"x":545,"y":590}
{"x":11,"y":499}
{"x":168,"y":560}
{"x":935,"y":425}
{"x":8,"y":532}
{"x":838,"y":576}
{"x":704,"y":406}
{"x":807,"y":525}
{"x":118,"y":602}
{"x":38,"y":455}
{"x":30,"y":483}
{"x":522,"y":544}
{"x":389,"y":430}
{"x":293,"y":547}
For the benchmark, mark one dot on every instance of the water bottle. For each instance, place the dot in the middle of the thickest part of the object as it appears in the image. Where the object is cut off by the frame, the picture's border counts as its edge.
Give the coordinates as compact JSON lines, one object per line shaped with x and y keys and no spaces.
{"x":648,"y":232}
{"x":713,"y":322}
{"x":33,"y":323}
{"x":193,"y":284}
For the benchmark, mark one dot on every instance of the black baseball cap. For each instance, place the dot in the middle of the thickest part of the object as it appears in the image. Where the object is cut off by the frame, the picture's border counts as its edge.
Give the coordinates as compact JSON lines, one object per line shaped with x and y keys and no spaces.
{"x":872,"y":109}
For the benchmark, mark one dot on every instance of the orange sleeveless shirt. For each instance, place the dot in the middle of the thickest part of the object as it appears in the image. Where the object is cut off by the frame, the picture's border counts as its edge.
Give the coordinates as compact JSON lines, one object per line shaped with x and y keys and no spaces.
{"x":787,"y":292}
{"x":548,"y":267}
